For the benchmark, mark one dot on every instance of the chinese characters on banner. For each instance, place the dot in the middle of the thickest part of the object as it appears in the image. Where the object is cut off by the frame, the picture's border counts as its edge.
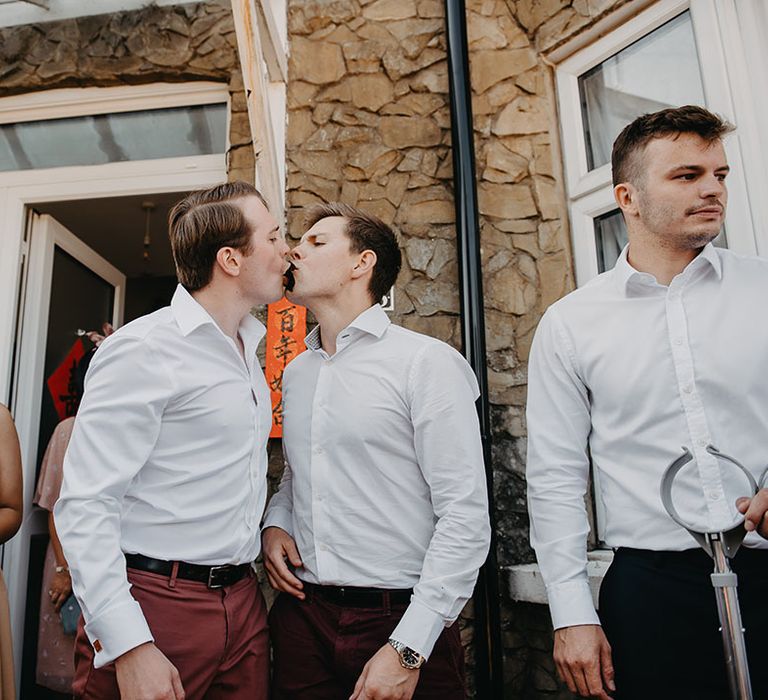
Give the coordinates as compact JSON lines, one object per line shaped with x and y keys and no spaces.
{"x":286,"y":329}
{"x":62,"y":384}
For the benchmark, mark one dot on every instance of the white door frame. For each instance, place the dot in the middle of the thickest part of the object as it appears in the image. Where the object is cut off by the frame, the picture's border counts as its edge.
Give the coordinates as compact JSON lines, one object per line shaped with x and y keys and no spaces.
{"x":19,"y":191}
{"x":25,"y":188}
{"x":46,"y":235}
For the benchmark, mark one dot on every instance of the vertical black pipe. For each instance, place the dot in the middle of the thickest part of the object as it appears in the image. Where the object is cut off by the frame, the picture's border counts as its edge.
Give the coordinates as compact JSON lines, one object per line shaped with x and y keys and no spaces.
{"x":488,"y":648}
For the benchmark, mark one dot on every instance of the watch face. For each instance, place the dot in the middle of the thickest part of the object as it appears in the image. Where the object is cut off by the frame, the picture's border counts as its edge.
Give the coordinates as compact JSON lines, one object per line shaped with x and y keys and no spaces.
{"x":410,"y":657}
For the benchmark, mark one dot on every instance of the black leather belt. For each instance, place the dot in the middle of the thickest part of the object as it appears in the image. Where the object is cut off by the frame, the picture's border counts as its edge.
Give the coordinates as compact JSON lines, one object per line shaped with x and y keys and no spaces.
{"x":212,"y":576}
{"x":355,"y":597}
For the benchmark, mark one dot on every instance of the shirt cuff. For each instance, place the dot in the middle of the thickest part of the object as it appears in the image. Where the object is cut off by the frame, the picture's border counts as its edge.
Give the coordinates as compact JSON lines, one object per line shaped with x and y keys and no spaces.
{"x":419,"y":628}
{"x":571,"y":603}
{"x":117,"y":630}
{"x":279,"y":517}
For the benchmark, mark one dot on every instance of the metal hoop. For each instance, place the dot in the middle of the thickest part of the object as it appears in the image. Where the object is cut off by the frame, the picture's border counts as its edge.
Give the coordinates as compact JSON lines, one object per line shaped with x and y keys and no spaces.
{"x":734,"y":535}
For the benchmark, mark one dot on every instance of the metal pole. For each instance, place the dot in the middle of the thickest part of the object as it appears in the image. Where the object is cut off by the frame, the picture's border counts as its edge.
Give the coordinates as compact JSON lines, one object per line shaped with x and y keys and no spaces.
{"x":725,"y":583}
{"x":488,"y":647}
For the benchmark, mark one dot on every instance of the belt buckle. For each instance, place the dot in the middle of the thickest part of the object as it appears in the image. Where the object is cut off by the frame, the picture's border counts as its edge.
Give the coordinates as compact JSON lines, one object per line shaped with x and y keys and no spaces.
{"x":211,"y":575}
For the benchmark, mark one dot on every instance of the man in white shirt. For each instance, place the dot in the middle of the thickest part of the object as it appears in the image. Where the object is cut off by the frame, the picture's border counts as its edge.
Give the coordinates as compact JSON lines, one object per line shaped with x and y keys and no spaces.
{"x":164,"y":478}
{"x":668,"y":349}
{"x":382,"y":512}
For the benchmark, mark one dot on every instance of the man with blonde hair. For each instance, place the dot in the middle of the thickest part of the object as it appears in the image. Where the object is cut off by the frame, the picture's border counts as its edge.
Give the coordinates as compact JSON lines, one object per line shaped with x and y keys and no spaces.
{"x":164,"y":478}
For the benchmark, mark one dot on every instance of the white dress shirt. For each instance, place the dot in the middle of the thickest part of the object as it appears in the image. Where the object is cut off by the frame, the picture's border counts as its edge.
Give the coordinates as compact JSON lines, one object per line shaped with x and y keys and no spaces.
{"x":167,"y":459}
{"x":629,"y":371}
{"x":384,"y":483}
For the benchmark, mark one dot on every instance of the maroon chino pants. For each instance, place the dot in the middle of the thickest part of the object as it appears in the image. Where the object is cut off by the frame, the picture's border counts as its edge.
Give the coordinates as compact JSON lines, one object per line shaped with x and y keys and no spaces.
{"x":319,"y":650}
{"x":216,"y":638}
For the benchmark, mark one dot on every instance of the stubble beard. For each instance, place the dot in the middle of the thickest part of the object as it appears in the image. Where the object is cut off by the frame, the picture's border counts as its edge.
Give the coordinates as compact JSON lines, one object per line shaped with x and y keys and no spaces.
{"x":689,"y":236}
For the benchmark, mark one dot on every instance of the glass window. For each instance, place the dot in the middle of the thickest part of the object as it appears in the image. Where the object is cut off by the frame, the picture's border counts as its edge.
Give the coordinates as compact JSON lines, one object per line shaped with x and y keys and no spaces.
{"x":108,"y":138}
{"x":610,"y":238}
{"x":658,"y":71}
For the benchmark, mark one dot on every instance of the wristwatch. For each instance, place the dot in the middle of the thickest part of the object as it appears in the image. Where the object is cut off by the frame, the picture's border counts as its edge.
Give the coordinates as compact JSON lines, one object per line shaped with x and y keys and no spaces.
{"x":409,"y":658}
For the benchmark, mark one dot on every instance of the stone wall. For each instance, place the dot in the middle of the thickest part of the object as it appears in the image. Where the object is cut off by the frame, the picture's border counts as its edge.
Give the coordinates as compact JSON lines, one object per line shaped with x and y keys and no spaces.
{"x":369,"y":124}
{"x":154,"y":44}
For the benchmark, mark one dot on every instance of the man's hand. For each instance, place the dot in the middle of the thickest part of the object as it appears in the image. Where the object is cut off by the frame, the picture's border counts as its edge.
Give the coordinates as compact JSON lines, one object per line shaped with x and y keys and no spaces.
{"x":278,"y":546}
{"x":583,"y":659}
{"x":754,"y":510}
{"x":144,"y":673}
{"x":383,"y":678}
{"x":61,"y":587}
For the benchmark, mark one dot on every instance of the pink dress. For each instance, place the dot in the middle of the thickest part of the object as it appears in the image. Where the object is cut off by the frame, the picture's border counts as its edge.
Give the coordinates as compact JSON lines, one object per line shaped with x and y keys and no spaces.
{"x":55,"y":650}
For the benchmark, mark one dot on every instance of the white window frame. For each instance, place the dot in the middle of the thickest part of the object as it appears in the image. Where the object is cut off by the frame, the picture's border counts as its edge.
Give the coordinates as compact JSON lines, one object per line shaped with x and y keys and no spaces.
{"x":21,"y":188}
{"x":590,"y":192}
{"x":89,"y":101}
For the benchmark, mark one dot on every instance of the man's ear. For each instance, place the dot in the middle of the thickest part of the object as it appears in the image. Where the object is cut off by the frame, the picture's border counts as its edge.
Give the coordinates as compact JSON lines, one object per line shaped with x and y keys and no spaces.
{"x":365,"y":263}
{"x":626,"y":196}
{"x":228,"y":260}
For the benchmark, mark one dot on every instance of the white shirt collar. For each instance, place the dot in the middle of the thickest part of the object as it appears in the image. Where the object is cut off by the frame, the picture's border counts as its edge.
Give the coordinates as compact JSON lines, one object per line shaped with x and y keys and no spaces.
{"x":624,"y":273}
{"x":373,"y":321}
{"x":190,"y":315}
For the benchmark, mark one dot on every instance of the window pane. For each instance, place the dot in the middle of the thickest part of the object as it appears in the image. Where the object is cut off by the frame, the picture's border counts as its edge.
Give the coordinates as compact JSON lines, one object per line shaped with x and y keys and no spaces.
{"x":658,"y":71}
{"x":108,"y":138}
{"x":610,"y":238}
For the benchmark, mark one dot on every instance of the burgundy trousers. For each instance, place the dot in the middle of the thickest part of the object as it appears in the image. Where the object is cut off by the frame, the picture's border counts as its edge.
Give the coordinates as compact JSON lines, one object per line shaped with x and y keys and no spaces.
{"x":319,"y":650}
{"x":216,"y":638}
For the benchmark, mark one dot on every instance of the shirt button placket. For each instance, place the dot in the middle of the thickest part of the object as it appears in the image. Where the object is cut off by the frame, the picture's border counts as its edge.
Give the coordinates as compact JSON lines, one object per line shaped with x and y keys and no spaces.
{"x":318,"y":466}
{"x":708,"y":469}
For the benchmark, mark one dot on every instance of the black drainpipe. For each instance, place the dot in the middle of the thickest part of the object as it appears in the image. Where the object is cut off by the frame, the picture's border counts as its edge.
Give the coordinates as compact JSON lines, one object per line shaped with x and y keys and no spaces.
{"x":488,"y":648}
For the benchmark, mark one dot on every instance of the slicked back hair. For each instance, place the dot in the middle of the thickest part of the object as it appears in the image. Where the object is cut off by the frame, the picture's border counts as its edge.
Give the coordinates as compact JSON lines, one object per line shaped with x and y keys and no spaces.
{"x":626,"y":158}
{"x":366,"y":232}
{"x":204,"y":222}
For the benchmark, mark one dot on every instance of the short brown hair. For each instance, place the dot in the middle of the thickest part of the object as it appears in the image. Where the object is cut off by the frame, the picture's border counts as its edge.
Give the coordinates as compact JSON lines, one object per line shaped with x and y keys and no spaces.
{"x":366,"y":232}
{"x":204,"y":222}
{"x":689,"y":119}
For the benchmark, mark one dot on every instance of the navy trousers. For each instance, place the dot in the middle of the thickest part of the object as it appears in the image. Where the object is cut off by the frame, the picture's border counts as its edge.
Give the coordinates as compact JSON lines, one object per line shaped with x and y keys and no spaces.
{"x":659,"y":612}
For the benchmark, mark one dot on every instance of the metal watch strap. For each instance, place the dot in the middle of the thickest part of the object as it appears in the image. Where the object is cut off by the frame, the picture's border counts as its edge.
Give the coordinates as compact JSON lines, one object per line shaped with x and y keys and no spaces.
{"x":409,"y":658}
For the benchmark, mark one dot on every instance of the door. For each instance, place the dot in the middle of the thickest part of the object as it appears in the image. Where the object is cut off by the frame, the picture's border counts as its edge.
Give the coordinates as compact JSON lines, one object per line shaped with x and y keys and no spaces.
{"x":67,"y":287}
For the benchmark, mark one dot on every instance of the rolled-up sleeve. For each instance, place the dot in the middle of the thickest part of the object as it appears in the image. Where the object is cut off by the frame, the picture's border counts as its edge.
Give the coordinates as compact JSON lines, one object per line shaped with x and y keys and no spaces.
{"x":117,"y":426}
{"x":559,"y":423}
{"x":442,"y":391}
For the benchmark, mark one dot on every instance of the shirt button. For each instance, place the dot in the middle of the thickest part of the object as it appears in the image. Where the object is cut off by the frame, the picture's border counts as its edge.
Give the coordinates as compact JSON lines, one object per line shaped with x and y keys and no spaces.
{"x":702,"y":442}
{"x":687,"y":388}
{"x":318,"y":450}
{"x":678,"y":341}
{"x":713,"y":495}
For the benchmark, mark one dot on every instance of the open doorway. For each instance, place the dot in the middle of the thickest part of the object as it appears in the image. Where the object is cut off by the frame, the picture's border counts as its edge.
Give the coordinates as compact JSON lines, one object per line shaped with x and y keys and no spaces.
{"x":91,"y":262}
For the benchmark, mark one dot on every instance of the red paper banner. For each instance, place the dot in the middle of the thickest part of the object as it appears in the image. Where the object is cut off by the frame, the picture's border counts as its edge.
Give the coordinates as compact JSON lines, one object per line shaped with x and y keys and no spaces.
{"x":62,"y":384}
{"x":286,"y":330}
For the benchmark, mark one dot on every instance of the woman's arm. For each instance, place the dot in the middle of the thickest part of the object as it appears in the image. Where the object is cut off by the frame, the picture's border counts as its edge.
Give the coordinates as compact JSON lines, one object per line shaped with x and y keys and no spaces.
{"x":10,"y":477}
{"x":61,"y":584}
